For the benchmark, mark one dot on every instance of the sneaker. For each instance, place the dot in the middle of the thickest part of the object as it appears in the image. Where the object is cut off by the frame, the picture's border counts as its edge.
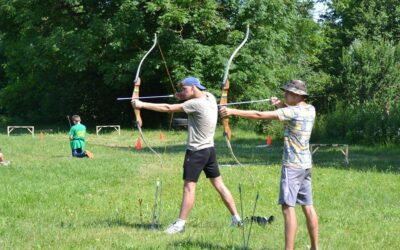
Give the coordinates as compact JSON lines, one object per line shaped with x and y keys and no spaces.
{"x":236,"y":223}
{"x":174,"y":228}
{"x":5,"y":163}
{"x":89,"y":154}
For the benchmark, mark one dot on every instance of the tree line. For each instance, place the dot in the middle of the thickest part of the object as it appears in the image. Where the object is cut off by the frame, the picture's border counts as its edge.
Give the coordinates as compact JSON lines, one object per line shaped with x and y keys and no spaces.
{"x":72,"y":56}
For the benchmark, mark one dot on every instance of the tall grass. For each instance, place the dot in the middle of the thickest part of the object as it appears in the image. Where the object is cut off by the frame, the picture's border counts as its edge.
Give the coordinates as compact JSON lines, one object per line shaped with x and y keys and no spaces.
{"x":49,"y":200}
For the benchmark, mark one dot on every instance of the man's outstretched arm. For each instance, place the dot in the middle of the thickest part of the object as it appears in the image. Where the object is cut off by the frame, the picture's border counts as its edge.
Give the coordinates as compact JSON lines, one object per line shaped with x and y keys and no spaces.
{"x":249,"y":114}
{"x":158,"y":107}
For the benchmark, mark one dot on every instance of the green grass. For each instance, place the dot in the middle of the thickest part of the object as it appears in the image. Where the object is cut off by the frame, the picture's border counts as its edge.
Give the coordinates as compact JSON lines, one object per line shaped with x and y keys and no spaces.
{"x":48,"y":200}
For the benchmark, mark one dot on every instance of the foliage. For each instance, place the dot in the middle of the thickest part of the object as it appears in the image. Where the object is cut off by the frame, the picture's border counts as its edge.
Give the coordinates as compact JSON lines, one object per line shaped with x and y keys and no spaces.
{"x":367,"y":123}
{"x":371,"y":73}
{"x":59,"y":58}
{"x":361,"y":59}
{"x":362,"y":30}
{"x":369,"y":87}
{"x":373,"y":19}
{"x":82,"y":55}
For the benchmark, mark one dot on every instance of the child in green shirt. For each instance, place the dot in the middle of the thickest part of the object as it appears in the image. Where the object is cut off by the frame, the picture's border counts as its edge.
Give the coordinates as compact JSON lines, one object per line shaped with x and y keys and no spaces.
{"x":77,"y":138}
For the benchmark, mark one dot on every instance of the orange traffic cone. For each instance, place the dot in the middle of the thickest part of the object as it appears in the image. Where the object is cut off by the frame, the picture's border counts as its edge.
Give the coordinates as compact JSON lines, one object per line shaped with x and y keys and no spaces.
{"x":139,"y":144}
{"x":161,"y":136}
{"x":269,"y":140}
{"x":41,"y":136}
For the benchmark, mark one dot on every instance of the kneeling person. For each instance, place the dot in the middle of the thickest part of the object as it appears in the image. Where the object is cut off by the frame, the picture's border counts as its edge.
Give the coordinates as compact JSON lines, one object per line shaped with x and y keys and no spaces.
{"x":77,"y":138}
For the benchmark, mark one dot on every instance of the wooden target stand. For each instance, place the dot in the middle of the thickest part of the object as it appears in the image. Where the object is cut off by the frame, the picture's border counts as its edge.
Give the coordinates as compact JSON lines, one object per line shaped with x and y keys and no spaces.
{"x":31,"y":129}
{"x":344,"y":148}
{"x":116,"y":127}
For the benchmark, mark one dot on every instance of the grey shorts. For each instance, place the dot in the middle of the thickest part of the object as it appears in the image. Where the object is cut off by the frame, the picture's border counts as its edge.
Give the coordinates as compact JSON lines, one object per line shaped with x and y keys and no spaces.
{"x":295,"y":187}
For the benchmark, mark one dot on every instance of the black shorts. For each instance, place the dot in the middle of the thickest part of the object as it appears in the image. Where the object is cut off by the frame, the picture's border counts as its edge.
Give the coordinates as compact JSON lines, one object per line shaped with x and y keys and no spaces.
{"x":201,"y":160}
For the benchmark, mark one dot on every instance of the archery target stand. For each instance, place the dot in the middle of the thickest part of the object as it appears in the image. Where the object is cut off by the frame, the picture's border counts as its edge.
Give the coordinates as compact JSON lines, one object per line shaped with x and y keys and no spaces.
{"x":31,"y":129}
{"x":116,"y":127}
{"x":344,"y":148}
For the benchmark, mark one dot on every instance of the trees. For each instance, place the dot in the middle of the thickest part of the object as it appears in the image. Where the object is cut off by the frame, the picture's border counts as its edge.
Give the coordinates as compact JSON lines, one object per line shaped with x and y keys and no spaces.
{"x":370,"y":73}
{"x":348,"y":26}
{"x":362,"y":56}
{"x":75,"y":56}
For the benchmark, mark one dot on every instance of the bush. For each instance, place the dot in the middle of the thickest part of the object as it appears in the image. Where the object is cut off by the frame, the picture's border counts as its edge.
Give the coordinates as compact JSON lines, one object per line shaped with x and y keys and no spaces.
{"x":367,"y":123}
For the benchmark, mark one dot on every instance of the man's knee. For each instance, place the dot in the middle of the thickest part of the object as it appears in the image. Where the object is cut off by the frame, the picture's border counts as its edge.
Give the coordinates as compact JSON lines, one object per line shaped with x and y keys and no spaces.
{"x":287,"y":210}
{"x":219,"y":185}
{"x":189,"y":186}
{"x":308,"y":208}
{"x":217,"y":182}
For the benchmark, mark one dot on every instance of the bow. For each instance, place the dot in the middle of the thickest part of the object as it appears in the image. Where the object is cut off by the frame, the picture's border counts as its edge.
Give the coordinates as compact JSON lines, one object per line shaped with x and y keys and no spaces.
{"x":135,"y":95}
{"x":224,"y":96}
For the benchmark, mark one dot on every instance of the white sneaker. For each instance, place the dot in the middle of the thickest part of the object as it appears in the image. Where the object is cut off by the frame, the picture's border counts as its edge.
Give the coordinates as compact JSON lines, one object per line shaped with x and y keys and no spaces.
{"x":174,"y":228}
{"x":236,"y":223}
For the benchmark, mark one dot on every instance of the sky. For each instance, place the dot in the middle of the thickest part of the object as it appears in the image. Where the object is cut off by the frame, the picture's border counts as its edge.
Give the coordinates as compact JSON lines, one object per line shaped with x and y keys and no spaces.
{"x":319,"y":8}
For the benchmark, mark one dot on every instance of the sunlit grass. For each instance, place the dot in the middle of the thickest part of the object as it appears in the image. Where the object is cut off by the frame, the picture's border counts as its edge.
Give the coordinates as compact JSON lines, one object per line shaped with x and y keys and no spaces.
{"x":50,"y":200}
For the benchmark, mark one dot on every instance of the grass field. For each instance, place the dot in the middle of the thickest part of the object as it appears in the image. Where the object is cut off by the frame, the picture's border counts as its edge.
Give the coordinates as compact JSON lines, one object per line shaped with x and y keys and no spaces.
{"x":48,"y":200}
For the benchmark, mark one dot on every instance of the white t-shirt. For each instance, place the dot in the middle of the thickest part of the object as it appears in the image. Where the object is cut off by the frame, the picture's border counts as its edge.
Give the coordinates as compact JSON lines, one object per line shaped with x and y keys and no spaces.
{"x":202,"y":119}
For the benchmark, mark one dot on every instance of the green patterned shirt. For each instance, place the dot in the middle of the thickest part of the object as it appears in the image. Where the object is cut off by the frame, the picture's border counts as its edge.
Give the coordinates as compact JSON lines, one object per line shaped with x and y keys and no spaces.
{"x":298,"y":121}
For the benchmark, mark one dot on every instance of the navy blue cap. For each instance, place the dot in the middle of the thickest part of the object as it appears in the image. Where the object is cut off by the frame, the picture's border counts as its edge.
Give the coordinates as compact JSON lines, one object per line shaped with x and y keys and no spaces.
{"x":193,"y":81}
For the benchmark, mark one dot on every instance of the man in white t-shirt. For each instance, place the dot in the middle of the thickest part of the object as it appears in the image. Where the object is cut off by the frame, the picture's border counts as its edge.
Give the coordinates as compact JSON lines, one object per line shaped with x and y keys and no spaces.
{"x":202,"y":110}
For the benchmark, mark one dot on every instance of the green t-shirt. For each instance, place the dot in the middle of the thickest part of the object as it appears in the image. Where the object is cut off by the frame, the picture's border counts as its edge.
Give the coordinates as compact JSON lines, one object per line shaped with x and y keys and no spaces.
{"x":78,"y":132}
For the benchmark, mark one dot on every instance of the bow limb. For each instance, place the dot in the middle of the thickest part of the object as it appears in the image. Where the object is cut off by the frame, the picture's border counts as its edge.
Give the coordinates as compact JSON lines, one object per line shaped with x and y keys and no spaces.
{"x":224,"y":101}
{"x":137,"y":82}
{"x":228,"y":65}
{"x":224,"y":96}
{"x":135,"y":95}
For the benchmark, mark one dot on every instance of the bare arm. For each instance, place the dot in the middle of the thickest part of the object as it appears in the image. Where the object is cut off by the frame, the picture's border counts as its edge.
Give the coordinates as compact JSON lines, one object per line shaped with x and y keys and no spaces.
{"x":158,"y":107}
{"x":249,"y":114}
{"x":254,"y":114}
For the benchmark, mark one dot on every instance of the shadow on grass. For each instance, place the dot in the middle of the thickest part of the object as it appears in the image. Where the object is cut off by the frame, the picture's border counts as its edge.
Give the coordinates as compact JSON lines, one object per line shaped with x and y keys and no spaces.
{"x":378,"y":158}
{"x":197,"y":244}
{"x":123,"y":223}
{"x":245,"y":150}
{"x":381,"y":158}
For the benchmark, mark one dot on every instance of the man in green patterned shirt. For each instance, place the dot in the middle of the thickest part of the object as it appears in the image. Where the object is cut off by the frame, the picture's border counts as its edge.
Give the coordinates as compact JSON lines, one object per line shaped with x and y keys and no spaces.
{"x":295,"y":184}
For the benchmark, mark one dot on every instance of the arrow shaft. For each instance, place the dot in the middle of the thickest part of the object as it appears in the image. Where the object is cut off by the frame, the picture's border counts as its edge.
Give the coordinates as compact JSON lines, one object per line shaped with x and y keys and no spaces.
{"x":145,"y":97}
{"x":238,"y":103}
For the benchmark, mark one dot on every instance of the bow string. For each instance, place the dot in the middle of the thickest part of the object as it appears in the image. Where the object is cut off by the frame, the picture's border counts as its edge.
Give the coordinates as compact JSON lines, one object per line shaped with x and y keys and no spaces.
{"x":224,"y":101}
